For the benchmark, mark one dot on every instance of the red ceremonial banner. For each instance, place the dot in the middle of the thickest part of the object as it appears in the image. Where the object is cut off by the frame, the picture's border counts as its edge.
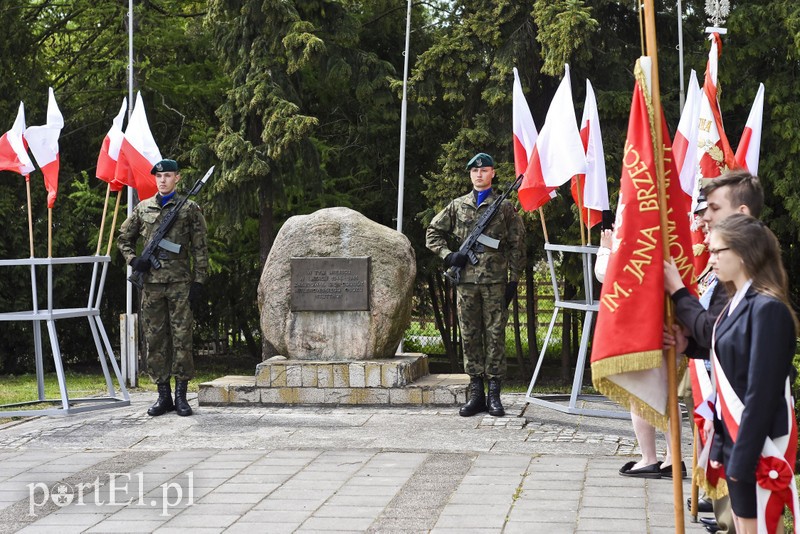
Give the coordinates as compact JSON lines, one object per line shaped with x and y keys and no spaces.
{"x":627,"y":358}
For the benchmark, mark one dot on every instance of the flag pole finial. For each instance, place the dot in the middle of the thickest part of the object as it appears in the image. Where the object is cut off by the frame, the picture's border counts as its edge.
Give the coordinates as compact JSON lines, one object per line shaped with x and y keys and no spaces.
{"x":717,"y":11}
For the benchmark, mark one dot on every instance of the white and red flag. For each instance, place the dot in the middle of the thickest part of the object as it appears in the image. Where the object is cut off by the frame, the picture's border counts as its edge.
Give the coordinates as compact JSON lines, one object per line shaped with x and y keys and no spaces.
{"x":684,"y":147}
{"x":109,"y":152}
{"x":631,"y":369}
{"x":525,"y":132}
{"x":714,"y":154}
{"x":747,"y":153}
{"x":593,"y":198}
{"x":13,"y":149}
{"x":43,"y":142}
{"x":138,"y":153}
{"x":558,"y":154}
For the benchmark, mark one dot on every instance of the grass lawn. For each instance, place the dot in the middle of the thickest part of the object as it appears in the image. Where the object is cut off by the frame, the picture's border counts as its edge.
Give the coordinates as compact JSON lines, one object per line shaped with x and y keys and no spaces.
{"x":22,"y":388}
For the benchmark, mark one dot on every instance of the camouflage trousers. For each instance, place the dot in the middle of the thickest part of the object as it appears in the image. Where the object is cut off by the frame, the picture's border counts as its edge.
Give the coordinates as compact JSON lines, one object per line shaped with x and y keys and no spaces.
{"x":482,"y":318}
{"x":167,"y":320}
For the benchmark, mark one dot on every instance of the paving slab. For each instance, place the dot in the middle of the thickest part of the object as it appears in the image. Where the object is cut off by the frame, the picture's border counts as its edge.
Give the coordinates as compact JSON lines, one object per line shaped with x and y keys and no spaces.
{"x":310,"y":469}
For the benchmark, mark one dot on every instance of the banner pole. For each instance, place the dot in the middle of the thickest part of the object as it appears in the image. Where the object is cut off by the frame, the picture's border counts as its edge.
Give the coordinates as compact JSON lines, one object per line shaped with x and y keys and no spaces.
{"x":113,"y":223}
{"x":695,"y":487}
{"x":30,"y":214}
{"x":580,"y":214}
{"x":103,"y":220}
{"x":544,"y":226}
{"x":672,"y":379}
{"x":49,"y":232}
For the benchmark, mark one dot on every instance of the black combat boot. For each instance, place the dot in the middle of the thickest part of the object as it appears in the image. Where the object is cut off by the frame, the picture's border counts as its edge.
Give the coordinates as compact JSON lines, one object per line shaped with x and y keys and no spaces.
{"x":493,"y":398}
{"x":164,"y":403}
{"x":477,"y":400}
{"x":182,"y":407}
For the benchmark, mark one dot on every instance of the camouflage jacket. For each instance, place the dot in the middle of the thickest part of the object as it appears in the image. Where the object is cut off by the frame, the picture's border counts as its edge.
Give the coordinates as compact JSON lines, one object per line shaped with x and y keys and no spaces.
{"x":494,"y":266}
{"x":189,"y":231}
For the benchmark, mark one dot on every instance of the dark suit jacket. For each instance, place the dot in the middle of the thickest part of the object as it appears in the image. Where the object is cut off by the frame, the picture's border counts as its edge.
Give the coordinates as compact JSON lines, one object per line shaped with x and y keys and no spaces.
{"x":697,"y":319}
{"x":755,"y":346}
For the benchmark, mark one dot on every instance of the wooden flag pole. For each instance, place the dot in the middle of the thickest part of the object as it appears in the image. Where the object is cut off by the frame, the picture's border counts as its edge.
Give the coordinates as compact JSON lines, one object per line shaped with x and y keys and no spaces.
{"x":113,"y":224}
{"x":49,"y":232}
{"x":103,"y":221}
{"x":30,"y":215}
{"x":580,"y":214}
{"x":544,"y":226}
{"x":672,"y":379}
{"x":695,"y":488}
{"x":589,"y":228}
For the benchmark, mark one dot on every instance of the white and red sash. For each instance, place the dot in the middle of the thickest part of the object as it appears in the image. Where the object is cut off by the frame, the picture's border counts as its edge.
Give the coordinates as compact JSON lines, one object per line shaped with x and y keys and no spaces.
{"x":703,"y":396}
{"x":775,"y":484}
{"x":703,"y":399}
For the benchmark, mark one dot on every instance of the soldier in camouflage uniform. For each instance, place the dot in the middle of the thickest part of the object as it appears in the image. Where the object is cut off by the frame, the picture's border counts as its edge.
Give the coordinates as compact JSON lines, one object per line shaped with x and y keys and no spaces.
{"x":485,"y":289}
{"x":170,"y":292}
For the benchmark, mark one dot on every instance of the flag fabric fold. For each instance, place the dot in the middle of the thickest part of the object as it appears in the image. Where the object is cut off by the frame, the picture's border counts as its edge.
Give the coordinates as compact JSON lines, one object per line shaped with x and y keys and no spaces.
{"x":109,"y":152}
{"x":138,"y":153}
{"x":593,"y":198}
{"x":558,"y":154}
{"x":632,"y":369}
{"x":747,"y":153}
{"x":684,"y":146}
{"x":13,"y":148}
{"x":43,"y":142}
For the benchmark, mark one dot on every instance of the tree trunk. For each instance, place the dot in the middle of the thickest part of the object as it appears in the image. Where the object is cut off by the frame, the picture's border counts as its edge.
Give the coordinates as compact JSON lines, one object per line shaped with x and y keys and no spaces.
{"x":530,"y":307}
{"x":521,"y":356}
{"x":439,"y":316}
{"x":568,"y":293}
{"x":266,"y":220}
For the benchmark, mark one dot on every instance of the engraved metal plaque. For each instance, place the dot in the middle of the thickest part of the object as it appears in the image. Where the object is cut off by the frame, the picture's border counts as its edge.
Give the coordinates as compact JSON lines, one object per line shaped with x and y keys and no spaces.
{"x":330,"y":284}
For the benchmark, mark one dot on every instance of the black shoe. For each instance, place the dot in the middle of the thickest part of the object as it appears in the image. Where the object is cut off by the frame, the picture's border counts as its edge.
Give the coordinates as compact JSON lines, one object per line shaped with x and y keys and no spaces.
{"x":666,"y":472}
{"x":182,"y":407}
{"x":477,"y":399}
{"x":709,"y":521}
{"x":712,"y":529}
{"x":164,"y":403}
{"x":648,"y":471}
{"x":704,"y":506}
{"x":493,"y":398}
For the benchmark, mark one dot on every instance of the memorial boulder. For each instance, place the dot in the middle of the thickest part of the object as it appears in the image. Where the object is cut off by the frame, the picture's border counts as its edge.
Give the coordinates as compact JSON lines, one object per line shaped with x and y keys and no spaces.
{"x":336,"y":286}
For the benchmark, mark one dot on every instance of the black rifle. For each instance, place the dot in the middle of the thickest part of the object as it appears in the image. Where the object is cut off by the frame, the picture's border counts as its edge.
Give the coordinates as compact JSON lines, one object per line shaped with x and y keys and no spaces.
{"x":158,"y":240}
{"x":476,"y":237}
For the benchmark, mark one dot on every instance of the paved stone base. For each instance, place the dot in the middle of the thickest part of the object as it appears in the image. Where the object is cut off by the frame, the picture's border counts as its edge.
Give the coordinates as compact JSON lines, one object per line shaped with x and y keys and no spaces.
{"x":399,"y":381}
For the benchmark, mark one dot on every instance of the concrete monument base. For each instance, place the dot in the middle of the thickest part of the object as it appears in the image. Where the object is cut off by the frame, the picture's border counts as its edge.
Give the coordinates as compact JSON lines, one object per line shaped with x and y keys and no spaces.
{"x":402,"y":380}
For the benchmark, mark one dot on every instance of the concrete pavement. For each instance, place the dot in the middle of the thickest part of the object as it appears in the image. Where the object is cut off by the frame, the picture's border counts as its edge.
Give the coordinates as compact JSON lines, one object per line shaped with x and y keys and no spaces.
{"x":327,"y":469}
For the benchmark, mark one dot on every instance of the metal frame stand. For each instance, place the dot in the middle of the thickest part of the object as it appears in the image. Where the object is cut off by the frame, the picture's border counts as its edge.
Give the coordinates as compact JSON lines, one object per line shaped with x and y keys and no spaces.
{"x":589,"y":306}
{"x":92,"y":312}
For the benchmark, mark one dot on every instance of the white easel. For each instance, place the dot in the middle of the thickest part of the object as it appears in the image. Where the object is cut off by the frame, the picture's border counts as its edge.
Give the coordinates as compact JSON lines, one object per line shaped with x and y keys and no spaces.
{"x":589,"y":306}
{"x":92,"y":312}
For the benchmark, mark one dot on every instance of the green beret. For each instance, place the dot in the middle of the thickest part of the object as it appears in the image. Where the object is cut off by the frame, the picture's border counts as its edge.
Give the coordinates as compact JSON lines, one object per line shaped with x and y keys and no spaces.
{"x":481,"y":159}
{"x":165,"y":165}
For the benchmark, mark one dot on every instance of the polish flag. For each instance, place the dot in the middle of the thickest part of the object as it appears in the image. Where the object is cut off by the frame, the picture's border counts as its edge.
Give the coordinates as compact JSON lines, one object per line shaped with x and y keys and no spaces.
{"x":750,"y":144}
{"x":593,"y":184}
{"x":525,"y":135}
{"x":684,"y":147}
{"x":13,"y":149}
{"x":109,"y":152}
{"x":525,"y":132}
{"x":43,"y":142}
{"x":714,"y":154}
{"x":558,"y":154}
{"x":138,"y":153}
